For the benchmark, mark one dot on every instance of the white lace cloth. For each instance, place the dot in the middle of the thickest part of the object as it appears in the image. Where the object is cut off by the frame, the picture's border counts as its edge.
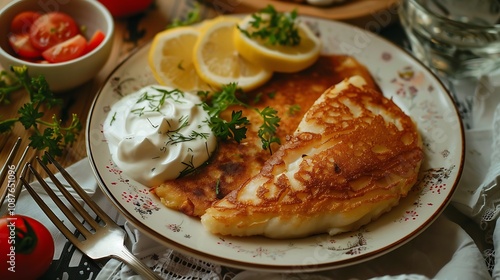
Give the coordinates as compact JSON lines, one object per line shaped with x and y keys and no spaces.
{"x":451,"y":248}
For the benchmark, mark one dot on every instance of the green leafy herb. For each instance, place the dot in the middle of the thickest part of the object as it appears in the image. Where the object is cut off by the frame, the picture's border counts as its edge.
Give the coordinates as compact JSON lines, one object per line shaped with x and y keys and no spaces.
{"x":273,"y":27}
{"x":236,"y":127}
{"x":259,"y":95}
{"x":267,"y":131}
{"x":157,"y":100}
{"x":8,"y":85}
{"x":218,"y":193}
{"x":293,"y":109}
{"x":189,"y":167}
{"x":218,"y":103}
{"x":192,"y":17}
{"x":50,"y":135}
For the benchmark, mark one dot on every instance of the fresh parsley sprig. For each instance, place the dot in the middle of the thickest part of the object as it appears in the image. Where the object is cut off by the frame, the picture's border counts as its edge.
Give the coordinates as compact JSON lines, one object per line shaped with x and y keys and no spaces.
{"x":236,"y":127}
{"x":217,"y":103}
{"x":50,"y":135}
{"x":267,"y":131}
{"x":273,"y":27}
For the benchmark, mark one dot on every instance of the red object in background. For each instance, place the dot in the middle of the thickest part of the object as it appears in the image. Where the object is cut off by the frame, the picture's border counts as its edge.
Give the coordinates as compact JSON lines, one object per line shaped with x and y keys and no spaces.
{"x":124,"y":8}
{"x":26,"y":245}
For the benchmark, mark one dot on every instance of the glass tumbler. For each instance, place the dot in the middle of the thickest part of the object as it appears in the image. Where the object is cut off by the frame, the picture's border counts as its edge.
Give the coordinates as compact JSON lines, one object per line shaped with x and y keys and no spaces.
{"x":455,"y":38}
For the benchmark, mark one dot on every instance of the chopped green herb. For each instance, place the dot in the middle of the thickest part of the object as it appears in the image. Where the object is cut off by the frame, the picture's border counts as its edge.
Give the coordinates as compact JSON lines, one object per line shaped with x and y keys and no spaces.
{"x":113,"y":119}
{"x":236,"y":128}
{"x":8,"y":85}
{"x":267,"y":131}
{"x":179,"y":66}
{"x":50,"y":135}
{"x":192,"y":17}
{"x":218,"y":103}
{"x":156,"y":101}
{"x":217,"y":189}
{"x":293,"y":109}
{"x":189,"y":167}
{"x":273,"y":27}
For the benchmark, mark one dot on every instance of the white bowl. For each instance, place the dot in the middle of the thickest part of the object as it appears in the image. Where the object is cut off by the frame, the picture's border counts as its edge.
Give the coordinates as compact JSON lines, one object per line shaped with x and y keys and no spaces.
{"x":70,"y":74}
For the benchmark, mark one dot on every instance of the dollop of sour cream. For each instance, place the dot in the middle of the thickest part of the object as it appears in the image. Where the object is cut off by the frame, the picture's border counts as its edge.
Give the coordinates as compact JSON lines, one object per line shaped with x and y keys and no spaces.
{"x":158,"y":133}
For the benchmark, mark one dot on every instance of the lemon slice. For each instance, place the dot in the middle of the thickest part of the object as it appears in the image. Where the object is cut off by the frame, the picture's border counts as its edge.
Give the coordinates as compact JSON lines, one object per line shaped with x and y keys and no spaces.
{"x":171,"y":59}
{"x":279,"y":58}
{"x":217,"y":61}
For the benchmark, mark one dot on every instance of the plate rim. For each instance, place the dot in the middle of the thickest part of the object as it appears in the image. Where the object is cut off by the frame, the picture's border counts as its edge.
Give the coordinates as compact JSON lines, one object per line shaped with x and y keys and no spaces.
{"x":213,"y":258}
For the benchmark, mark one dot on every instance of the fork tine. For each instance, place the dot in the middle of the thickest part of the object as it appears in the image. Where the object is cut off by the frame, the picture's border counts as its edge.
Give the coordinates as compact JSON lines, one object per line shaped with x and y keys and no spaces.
{"x":10,"y":159}
{"x":88,"y":200}
{"x":107,"y":241}
{"x":5,"y":169}
{"x":17,"y":190}
{"x":46,"y":209}
{"x":78,"y":207}
{"x":66,"y":211}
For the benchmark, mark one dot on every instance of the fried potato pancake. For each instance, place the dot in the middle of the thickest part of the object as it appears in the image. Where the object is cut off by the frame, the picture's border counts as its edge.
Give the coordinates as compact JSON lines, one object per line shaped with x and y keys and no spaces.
{"x":354,"y":155}
{"x":232,"y":164}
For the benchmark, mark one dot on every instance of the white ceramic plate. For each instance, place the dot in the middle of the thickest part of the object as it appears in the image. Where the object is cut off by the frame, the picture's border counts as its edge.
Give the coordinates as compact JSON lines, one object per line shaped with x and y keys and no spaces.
{"x":401,"y":78}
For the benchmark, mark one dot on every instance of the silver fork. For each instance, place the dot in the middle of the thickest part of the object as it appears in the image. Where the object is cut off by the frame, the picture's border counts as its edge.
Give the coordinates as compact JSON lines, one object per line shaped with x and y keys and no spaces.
{"x":10,"y":187}
{"x":103,"y":238}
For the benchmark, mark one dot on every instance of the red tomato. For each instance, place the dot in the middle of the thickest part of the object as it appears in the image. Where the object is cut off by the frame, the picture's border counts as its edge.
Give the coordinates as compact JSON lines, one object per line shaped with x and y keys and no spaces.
{"x":51,"y":29}
{"x":67,"y":50}
{"x":123,"y":8}
{"x":26,"y":248}
{"x":22,"y":46}
{"x":94,"y":41}
{"x":22,"y":22}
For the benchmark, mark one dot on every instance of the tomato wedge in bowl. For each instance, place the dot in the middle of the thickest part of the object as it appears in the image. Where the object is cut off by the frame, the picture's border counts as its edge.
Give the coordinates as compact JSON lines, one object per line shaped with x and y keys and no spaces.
{"x":21,"y":44}
{"x":51,"y":29}
{"x":55,"y":36}
{"x":95,"y":41}
{"x":23,"y":21}
{"x":65,"y":75}
{"x":66,"y":50}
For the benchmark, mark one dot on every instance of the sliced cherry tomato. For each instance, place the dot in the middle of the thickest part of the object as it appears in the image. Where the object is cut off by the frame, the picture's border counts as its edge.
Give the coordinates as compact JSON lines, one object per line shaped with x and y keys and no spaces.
{"x":51,"y":29}
{"x":67,"y":50}
{"x":22,"y":46}
{"x":26,"y":248}
{"x":95,"y":41}
{"x":22,"y":22}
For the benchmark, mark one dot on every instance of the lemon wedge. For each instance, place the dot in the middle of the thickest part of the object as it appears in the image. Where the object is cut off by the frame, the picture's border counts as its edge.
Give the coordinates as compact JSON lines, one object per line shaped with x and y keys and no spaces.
{"x":218,"y":63}
{"x":278,"y":58}
{"x":170,"y":58}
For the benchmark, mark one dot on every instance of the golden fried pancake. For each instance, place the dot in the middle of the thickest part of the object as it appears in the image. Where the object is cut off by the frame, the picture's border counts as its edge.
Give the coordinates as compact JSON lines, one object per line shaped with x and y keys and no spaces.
{"x":232,"y":164}
{"x":354,"y":155}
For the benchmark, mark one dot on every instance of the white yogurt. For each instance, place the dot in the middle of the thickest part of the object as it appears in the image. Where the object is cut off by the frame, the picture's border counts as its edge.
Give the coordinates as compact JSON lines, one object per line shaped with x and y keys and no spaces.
{"x":158,"y":134}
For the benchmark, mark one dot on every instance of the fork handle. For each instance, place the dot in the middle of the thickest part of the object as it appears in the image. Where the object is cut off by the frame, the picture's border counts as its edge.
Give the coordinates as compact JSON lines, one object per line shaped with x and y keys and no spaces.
{"x":137,"y":265}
